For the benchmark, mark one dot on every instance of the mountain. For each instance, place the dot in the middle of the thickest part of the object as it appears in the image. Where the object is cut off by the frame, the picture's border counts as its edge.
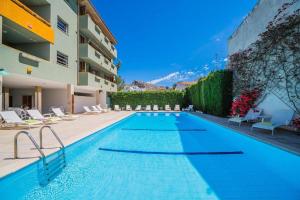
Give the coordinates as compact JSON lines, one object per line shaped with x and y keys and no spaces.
{"x":142,"y":86}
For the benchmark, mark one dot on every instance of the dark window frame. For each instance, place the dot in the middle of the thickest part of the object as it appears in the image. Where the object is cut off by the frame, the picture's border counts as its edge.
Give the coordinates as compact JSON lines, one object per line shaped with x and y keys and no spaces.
{"x":62,"y":59}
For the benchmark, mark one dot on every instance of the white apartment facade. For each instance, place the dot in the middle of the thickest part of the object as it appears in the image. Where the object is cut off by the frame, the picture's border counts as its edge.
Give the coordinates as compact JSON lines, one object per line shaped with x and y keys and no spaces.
{"x":43,"y":62}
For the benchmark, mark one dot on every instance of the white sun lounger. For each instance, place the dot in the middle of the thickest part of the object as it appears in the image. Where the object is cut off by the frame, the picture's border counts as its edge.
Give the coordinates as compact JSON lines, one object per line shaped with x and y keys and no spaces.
{"x":282,"y":117}
{"x":117,"y":108}
{"x":167,"y":108}
{"x":155,"y":107}
{"x":11,"y":119}
{"x":101,"y":109}
{"x":60,"y":114}
{"x":128,"y":108}
{"x":148,"y":108}
{"x":138,"y":108}
{"x":177,"y":107}
{"x":252,"y":114}
{"x":89,"y":111}
{"x":190,"y":108}
{"x":35,"y":114}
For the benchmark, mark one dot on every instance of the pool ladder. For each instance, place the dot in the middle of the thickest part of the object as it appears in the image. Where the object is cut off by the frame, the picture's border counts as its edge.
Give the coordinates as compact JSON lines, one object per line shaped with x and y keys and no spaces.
{"x":51,"y":167}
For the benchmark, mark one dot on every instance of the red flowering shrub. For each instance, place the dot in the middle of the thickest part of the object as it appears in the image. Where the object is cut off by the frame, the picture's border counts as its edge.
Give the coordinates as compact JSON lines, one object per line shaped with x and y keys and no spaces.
{"x":244,"y":102}
{"x":296,"y":122}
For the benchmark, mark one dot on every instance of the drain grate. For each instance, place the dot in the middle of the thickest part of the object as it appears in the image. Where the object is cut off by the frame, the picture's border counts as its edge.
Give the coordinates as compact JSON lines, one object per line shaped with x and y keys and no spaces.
{"x":172,"y":153}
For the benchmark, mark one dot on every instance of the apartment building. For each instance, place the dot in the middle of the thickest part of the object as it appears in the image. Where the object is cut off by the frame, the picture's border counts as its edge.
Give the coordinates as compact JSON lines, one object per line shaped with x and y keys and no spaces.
{"x":55,"y":53}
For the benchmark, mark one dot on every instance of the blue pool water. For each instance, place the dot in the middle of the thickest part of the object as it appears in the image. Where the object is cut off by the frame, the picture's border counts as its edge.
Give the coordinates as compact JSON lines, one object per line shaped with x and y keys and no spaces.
{"x":164,"y":156}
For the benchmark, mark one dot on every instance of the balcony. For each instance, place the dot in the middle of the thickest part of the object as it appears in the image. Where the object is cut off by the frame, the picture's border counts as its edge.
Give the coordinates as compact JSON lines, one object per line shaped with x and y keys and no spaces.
{"x":18,"y":13}
{"x":91,"y":30}
{"x":94,"y":57}
{"x":92,"y":80}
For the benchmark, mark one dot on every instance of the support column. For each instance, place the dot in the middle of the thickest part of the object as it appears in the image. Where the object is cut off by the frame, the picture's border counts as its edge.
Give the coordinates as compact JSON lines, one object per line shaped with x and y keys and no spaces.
{"x":1,"y":30}
{"x":38,"y":98}
{"x":97,"y":94}
{"x":6,"y":98}
{"x":1,"y":98}
{"x":102,"y":98}
{"x":70,"y":98}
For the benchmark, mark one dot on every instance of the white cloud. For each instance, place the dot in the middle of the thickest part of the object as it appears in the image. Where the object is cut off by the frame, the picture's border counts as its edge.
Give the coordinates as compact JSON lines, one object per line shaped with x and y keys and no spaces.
{"x":165,"y":78}
{"x":217,"y":39}
{"x":225,"y":59}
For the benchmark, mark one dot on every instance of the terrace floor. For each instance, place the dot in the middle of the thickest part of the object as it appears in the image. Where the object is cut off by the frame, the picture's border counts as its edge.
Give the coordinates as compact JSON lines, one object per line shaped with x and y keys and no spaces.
{"x":68,"y":131}
{"x":282,"y":138}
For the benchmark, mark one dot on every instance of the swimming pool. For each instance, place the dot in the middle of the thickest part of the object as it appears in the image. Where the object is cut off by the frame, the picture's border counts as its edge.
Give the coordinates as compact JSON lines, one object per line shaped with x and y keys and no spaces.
{"x":164,"y":156}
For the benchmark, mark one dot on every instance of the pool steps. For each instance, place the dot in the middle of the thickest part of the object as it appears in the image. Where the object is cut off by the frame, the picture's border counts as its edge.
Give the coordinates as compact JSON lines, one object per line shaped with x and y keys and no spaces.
{"x":52,"y":165}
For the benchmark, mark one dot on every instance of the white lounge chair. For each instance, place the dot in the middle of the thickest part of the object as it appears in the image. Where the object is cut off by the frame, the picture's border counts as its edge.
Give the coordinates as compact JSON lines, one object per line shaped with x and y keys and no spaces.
{"x":89,"y":111}
{"x":60,"y":114}
{"x":252,"y":114}
{"x":155,"y":107}
{"x":117,"y":108}
{"x":128,"y":108}
{"x":190,"y":108}
{"x":167,"y":108}
{"x":36,"y":115}
{"x":101,"y":109}
{"x":11,"y":119}
{"x":138,"y":108}
{"x":177,"y":107}
{"x":282,"y":117}
{"x":148,"y":108}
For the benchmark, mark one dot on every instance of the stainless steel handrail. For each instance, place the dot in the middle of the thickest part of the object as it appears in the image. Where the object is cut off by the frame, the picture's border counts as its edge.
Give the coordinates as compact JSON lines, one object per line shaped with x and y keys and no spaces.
{"x":32,"y":140}
{"x":53,"y":132}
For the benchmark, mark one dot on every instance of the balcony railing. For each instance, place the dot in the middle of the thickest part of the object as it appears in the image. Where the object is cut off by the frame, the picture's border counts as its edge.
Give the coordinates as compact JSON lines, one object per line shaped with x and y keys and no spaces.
{"x":89,"y":79}
{"x":94,"y":57}
{"x":20,"y":14}
{"x":88,"y":26}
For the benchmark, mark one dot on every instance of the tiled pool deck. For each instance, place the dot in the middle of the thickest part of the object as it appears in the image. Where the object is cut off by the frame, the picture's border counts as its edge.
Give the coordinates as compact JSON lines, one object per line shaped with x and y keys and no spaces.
{"x":282,"y":138}
{"x":68,"y":131}
{"x":72,"y":131}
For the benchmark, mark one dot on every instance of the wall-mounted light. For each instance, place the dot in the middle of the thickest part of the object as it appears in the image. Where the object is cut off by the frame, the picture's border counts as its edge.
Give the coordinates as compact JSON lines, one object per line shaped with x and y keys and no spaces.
{"x":29,"y":70}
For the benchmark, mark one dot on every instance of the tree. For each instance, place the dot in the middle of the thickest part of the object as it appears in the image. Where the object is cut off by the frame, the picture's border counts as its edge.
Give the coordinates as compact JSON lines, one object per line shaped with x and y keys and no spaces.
{"x":120,"y":83}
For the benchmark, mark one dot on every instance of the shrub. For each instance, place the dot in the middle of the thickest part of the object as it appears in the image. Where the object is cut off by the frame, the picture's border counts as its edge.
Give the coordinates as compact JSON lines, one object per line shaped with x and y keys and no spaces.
{"x":242,"y":104}
{"x":160,"y":98}
{"x":213,"y":94}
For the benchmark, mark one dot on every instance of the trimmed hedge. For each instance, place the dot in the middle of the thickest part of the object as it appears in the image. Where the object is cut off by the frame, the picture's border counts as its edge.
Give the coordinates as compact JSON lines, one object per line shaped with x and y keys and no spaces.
{"x":160,"y":98}
{"x":213,"y":94}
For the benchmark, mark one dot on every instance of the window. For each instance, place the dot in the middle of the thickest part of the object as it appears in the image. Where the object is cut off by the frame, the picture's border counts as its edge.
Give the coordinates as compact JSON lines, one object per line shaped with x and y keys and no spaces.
{"x":97,"y":54}
{"x":82,"y":66}
{"x":106,"y":40}
{"x":82,"y":39}
{"x":62,"y":25}
{"x":62,"y":59}
{"x":97,"y":29}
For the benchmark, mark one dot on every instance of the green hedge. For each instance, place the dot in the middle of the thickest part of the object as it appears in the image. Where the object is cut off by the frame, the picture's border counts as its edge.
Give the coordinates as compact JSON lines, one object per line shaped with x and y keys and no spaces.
{"x":160,"y":98}
{"x":212,"y":94}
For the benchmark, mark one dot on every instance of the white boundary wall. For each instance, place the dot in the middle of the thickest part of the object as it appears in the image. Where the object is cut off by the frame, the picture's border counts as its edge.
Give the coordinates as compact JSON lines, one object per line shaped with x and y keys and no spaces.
{"x":80,"y":101}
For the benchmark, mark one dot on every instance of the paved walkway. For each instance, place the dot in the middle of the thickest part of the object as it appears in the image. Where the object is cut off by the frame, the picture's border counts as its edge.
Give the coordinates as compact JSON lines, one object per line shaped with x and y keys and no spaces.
{"x":68,"y":131}
{"x":282,"y":138}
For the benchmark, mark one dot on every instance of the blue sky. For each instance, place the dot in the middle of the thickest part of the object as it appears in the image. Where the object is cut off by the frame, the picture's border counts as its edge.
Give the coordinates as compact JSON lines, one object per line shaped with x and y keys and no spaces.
{"x":165,"y":41}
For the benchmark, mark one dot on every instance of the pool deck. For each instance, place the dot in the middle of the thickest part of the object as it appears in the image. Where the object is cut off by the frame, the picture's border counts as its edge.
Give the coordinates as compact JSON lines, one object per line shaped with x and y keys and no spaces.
{"x":68,"y":131}
{"x":282,"y":138}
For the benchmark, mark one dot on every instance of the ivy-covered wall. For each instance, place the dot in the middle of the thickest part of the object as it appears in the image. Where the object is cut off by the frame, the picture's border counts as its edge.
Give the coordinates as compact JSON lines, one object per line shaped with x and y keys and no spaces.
{"x":272,"y":63}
